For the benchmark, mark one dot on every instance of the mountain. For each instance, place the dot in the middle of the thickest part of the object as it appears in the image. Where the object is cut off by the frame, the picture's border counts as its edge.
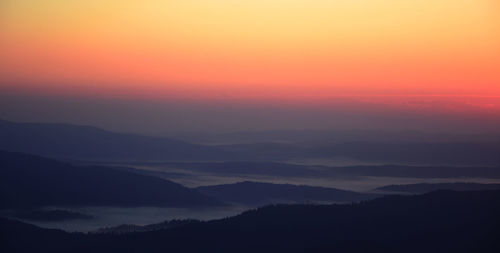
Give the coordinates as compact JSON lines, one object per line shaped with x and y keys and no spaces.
{"x":280,"y":169}
{"x":246,"y":168}
{"x":441,"y":221}
{"x":17,"y":236}
{"x":479,"y":152}
{"x":418,"y":171}
{"x":129,"y":228}
{"x":49,"y":215}
{"x":425,"y":187}
{"x":454,"y":152}
{"x":75,"y":142}
{"x":257,"y":193}
{"x":33,"y":181}
{"x":89,"y":143}
{"x":333,"y":136}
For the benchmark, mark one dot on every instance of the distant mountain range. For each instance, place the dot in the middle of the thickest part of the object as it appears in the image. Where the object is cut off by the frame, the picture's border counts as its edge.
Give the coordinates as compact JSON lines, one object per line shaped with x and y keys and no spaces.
{"x":333,"y":136}
{"x":31,"y":181}
{"x":279,"y":169}
{"x":398,"y":152}
{"x":90,"y":143}
{"x":426,"y":187}
{"x":256,"y":193}
{"x":441,"y":221}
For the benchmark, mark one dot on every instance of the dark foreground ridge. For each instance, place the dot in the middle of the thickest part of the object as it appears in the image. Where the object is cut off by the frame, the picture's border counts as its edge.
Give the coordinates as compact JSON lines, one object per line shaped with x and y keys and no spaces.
{"x":28,"y":181}
{"x":441,"y":221}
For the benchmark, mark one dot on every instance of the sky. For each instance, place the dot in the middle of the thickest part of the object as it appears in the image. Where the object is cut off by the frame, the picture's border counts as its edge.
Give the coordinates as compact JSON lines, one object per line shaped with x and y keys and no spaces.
{"x":252,"y":64}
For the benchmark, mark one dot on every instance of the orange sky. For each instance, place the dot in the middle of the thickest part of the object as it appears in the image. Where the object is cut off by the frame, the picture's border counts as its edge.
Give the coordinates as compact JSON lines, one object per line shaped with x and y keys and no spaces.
{"x":259,"y":49}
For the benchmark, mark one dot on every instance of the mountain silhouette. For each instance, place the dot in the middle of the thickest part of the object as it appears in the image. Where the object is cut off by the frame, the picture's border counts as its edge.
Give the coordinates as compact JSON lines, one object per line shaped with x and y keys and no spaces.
{"x":470,"y":153}
{"x":257,"y":193}
{"x":426,"y":187}
{"x":90,"y":143}
{"x":33,"y":181}
{"x":440,"y":221}
{"x":76,"y":142}
{"x":282,"y":169}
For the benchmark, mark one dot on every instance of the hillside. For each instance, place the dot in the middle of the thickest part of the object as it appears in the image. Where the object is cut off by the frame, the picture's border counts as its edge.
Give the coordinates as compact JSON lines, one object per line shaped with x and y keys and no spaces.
{"x":90,"y":143}
{"x":33,"y":181}
{"x":257,"y":193}
{"x":425,"y":187}
{"x":442,"y":221}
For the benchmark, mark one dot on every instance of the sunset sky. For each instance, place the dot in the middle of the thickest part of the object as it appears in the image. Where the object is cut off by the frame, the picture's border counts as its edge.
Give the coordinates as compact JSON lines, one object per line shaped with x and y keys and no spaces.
{"x":418,"y":55}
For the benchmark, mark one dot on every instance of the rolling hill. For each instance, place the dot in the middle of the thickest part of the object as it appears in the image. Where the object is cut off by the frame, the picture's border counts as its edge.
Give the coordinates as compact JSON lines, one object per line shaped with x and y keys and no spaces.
{"x":66,"y":141}
{"x":441,"y":221}
{"x":33,"y":181}
{"x":257,"y":193}
{"x":426,"y":187}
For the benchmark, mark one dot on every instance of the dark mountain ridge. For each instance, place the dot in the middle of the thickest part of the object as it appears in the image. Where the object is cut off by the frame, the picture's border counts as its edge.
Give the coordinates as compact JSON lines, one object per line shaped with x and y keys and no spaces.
{"x":32,"y":181}
{"x":441,"y":221}
{"x":75,"y":142}
{"x":258,"y":193}
{"x":426,"y":187}
{"x":481,"y":153}
{"x":297,"y":170}
{"x":67,"y":141}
